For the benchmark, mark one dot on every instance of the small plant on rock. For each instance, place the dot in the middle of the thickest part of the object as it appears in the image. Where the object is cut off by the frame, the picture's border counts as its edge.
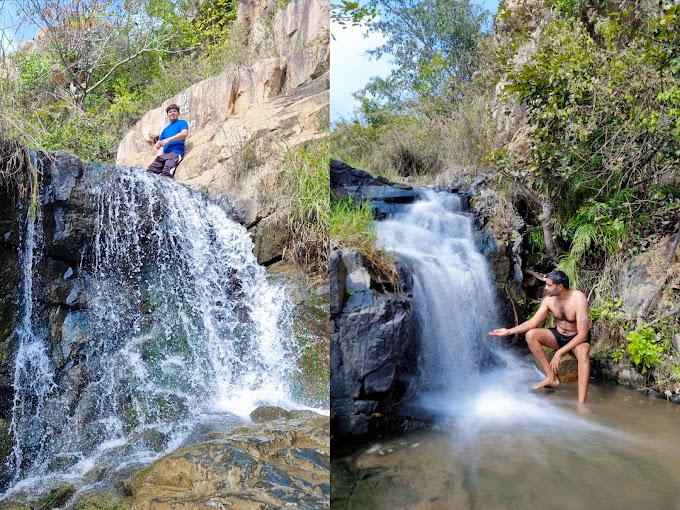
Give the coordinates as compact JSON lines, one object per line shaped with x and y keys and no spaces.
{"x":644,"y":352}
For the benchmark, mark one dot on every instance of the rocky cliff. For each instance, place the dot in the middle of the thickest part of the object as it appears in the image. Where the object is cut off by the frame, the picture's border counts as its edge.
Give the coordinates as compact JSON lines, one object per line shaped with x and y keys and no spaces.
{"x":373,"y":346}
{"x":242,"y":121}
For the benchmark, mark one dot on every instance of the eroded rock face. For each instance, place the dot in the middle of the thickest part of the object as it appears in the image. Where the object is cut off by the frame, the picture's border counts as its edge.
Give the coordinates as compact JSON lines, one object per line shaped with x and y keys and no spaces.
{"x":244,"y":119}
{"x":281,"y":463}
{"x":65,"y":212}
{"x":365,"y":323}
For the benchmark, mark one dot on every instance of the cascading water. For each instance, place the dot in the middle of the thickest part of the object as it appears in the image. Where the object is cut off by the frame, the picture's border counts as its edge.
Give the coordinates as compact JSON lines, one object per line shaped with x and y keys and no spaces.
{"x":181,"y":324}
{"x":454,"y":300}
{"x":496,"y":443}
{"x":33,"y":373}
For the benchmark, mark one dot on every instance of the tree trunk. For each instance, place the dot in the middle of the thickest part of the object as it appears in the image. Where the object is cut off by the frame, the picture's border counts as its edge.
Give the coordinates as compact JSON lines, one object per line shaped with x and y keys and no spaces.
{"x":546,"y":217}
{"x":545,"y":209}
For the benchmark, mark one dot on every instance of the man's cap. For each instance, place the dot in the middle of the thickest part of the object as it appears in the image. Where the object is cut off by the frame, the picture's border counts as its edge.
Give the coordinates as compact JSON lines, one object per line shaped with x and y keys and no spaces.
{"x":172,"y":106}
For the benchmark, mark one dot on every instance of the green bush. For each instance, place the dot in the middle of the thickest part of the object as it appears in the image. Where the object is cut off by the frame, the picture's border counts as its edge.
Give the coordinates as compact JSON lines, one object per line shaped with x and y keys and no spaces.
{"x":643,"y":350}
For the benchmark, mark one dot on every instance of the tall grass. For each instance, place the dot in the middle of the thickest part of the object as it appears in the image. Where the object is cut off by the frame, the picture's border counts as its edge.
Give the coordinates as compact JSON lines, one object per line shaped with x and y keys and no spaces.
{"x":302,"y":197}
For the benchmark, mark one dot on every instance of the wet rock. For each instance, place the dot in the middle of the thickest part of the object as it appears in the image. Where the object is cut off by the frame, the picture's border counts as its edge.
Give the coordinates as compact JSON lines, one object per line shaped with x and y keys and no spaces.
{"x":271,"y":465}
{"x":371,"y":354}
{"x":55,"y":497}
{"x":268,"y":413}
{"x":5,"y":445}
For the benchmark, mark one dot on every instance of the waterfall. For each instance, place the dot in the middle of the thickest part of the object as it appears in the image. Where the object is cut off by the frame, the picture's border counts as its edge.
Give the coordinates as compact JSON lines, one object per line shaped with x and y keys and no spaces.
{"x":180,"y":324}
{"x":454,"y":298}
{"x":33,"y":372}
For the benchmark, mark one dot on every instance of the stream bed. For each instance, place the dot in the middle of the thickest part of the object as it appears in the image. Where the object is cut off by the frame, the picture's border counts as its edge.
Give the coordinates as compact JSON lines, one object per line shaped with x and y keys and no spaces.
{"x":525,"y":451}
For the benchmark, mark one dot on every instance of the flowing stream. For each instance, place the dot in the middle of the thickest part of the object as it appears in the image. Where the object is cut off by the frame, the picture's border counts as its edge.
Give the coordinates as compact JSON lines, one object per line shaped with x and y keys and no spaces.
{"x":497,"y":444}
{"x":181,"y":328}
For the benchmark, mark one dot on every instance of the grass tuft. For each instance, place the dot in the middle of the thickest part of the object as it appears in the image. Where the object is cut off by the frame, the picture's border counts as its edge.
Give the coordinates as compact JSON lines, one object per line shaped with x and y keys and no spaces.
{"x":302,"y":195}
{"x":352,"y":226}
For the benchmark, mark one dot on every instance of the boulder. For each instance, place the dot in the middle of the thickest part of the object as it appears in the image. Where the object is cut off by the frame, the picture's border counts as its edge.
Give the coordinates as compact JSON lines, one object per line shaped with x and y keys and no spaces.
{"x":270,"y":239}
{"x":241,"y":121}
{"x":385,"y":196}
{"x":269,"y":465}
{"x":370,"y":346}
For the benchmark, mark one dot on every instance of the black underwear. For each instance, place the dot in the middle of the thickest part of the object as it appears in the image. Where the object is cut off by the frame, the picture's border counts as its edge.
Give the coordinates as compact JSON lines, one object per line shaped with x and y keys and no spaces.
{"x":564,"y":340}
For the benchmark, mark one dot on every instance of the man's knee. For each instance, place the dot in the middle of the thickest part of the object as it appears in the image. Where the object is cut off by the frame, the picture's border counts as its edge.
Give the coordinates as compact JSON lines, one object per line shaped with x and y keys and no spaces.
{"x":531,"y":336}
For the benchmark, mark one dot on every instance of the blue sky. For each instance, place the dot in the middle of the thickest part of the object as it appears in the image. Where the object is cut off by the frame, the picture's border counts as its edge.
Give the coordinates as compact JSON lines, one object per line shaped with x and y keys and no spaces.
{"x":13,"y":30}
{"x":351,"y":70}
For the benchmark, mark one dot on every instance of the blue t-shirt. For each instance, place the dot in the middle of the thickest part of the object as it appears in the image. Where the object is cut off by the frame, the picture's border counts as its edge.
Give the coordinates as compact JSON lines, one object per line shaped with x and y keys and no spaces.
{"x":171,"y":130}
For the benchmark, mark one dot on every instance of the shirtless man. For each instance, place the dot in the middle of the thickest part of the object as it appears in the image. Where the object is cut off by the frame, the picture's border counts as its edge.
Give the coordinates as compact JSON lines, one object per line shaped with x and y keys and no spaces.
{"x":570,"y":309}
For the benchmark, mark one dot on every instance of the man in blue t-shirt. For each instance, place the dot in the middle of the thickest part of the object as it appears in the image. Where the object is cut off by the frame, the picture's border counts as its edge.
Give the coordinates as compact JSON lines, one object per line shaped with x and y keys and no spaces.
{"x":171,"y":142}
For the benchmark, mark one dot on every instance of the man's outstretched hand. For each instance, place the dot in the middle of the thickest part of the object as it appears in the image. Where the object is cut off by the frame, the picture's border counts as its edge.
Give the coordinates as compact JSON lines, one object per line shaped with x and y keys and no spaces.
{"x":500,"y":332}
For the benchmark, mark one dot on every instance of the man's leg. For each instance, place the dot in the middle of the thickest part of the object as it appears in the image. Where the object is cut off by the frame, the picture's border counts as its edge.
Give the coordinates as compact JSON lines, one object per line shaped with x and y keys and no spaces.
{"x":536,"y":339}
{"x":582,"y":355}
{"x":171,"y":161}
{"x":157,"y":166}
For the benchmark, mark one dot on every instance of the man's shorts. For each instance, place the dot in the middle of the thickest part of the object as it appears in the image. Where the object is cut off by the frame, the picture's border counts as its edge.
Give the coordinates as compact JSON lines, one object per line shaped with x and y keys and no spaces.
{"x":564,"y":340}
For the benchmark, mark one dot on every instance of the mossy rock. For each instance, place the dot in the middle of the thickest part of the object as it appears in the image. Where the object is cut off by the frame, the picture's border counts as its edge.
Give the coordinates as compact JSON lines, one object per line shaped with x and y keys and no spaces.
{"x":57,"y":497}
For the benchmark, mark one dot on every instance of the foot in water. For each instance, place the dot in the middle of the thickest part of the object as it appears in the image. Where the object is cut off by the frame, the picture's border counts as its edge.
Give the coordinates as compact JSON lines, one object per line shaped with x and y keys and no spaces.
{"x":581,"y":408}
{"x":549,"y":382}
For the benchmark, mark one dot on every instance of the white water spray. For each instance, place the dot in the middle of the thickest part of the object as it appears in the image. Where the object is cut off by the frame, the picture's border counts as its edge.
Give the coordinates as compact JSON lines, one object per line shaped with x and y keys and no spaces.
{"x":454,"y":302}
{"x":181,"y":323}
{"x":33,"y":372}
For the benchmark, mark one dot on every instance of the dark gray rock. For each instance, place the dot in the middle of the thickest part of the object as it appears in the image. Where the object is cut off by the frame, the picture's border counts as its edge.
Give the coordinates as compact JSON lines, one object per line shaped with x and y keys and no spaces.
{"x":370,"y":365}
{"x":386,"y":197}
{"x":234,"y":209}
{"x":343,"y":175}
{"x":338,"y":275}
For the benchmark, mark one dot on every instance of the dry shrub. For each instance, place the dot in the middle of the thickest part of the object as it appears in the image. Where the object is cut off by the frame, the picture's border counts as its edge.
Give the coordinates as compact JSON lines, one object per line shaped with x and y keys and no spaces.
{"x":453,"y":144}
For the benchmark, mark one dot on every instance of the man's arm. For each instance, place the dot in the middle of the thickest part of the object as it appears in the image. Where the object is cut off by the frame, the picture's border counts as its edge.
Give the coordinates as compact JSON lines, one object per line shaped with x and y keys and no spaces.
{"x":534,"y":322}
{"x":175,"y":138}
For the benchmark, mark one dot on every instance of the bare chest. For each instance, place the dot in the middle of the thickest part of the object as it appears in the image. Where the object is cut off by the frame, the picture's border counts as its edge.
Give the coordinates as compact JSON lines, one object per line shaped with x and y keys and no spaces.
{"x":564,"y":311}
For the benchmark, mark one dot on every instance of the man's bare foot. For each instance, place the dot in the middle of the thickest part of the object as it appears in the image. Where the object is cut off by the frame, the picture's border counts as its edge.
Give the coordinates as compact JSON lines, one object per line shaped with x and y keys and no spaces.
{"x":582,"y":408}
{"x":549,"y":382}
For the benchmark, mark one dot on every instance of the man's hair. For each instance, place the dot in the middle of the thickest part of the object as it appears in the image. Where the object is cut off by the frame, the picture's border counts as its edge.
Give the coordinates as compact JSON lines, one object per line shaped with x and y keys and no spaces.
{"x":172,"y":106}
{"x":559,"y":278}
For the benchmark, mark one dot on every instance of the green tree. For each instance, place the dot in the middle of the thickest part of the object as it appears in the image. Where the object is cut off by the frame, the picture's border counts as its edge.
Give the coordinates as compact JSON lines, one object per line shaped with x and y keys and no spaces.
{"x":348,"y":12}
{"x":92,"y":39}
{"x":601,"y":128}
{"x":434,"y":45}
